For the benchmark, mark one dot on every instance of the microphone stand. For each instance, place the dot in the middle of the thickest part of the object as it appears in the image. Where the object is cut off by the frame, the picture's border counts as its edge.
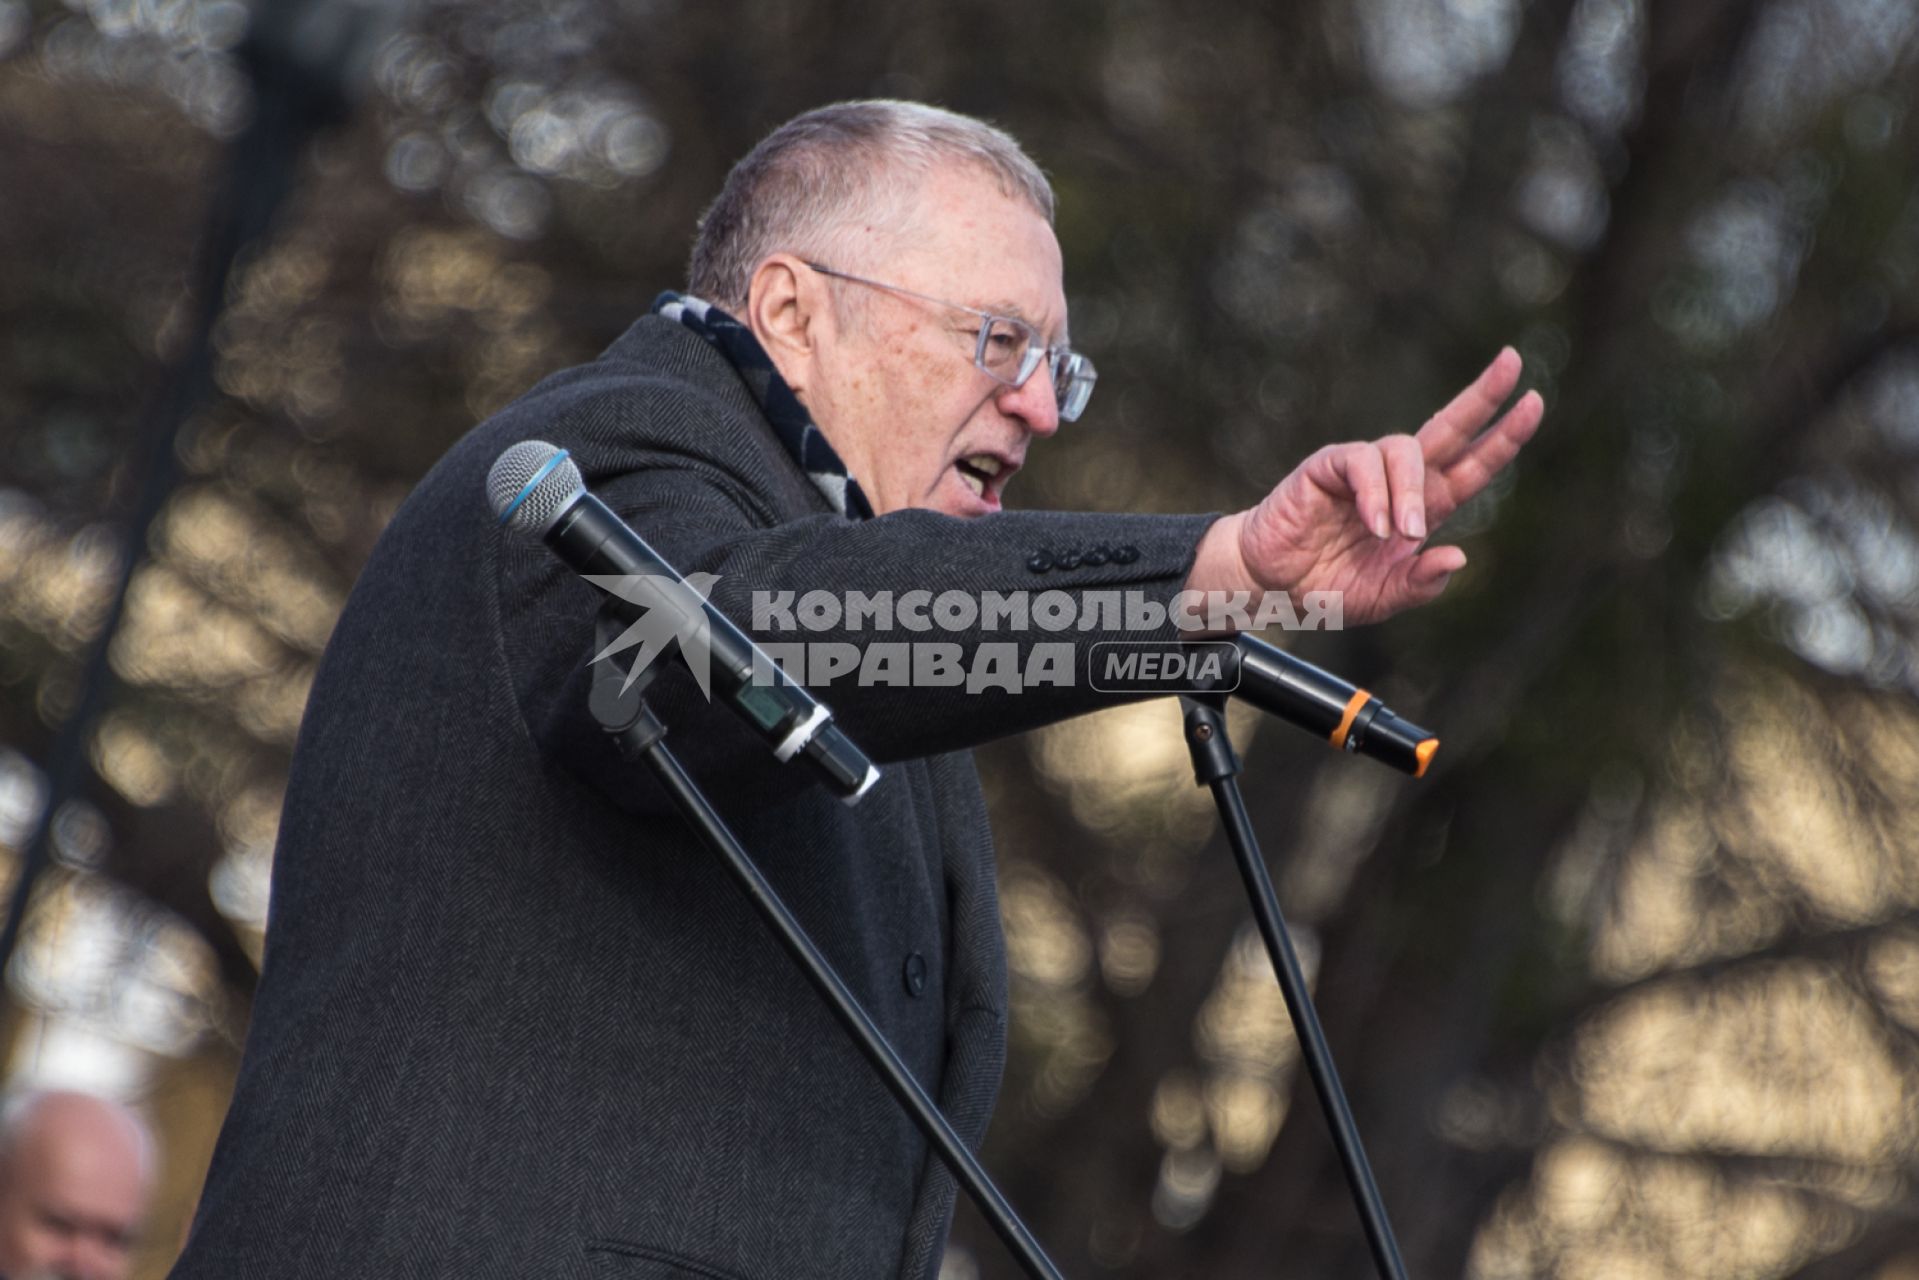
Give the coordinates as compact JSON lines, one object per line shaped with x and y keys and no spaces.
{"x":622,"y":711}
{"x":1216,"y":765}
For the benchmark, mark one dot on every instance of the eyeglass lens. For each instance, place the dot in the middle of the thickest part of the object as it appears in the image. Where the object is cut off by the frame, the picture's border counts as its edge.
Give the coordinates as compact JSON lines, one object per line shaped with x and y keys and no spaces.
{"x":1011,"y":351}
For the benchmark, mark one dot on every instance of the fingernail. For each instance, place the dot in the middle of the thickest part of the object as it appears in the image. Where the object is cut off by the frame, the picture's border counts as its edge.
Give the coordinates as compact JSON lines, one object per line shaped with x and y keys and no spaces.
{"x":1381,"y":529}
{"x":1416,"y":524}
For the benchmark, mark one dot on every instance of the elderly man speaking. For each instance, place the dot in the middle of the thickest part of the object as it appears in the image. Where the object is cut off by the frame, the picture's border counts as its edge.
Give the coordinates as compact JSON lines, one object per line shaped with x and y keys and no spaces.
{"x":513,"y":1021}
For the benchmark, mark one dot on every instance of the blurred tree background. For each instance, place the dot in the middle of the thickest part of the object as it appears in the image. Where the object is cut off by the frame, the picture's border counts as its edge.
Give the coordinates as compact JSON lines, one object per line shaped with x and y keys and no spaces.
{"x":1628,"y":988}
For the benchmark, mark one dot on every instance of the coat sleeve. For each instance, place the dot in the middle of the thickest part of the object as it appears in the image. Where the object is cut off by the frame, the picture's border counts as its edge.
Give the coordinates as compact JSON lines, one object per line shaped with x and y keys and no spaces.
{"x":700,"y":512}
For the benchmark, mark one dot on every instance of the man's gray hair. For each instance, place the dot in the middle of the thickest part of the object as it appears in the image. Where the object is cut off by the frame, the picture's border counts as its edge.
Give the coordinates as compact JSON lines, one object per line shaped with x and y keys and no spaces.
{"x":834,"y":168}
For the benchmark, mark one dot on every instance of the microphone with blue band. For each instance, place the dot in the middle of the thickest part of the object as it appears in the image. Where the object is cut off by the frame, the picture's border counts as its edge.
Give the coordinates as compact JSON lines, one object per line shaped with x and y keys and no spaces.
{"x":535,"y":488}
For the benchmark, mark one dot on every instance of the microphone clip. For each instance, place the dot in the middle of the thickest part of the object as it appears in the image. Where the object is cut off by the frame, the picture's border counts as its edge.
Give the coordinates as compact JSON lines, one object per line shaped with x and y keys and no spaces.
{"x":618,"y":700}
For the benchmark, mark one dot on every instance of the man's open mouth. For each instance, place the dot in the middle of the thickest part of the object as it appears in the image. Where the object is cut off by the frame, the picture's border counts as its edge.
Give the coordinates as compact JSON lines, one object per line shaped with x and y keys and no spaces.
{"x":980,"y":471}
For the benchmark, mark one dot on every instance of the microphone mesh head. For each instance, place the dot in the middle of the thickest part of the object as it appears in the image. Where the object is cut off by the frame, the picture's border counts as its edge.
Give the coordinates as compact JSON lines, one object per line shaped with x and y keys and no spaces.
{"x":531,"y":512}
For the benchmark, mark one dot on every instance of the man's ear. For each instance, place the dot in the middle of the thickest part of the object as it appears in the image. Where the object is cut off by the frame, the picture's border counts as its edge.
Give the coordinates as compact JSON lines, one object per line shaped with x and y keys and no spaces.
{"x":785,"y":309}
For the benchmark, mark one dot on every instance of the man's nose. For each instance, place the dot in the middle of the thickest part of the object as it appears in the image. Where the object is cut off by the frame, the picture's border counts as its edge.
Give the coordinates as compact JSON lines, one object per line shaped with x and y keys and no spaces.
{"x":1033,"y":402}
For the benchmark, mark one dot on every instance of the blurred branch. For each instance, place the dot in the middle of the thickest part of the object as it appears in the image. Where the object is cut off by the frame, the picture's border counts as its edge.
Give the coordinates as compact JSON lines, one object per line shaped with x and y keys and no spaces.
{"x":1889,"y":1237}
{"x":1690,"y":50}
{"x":160,"y":853}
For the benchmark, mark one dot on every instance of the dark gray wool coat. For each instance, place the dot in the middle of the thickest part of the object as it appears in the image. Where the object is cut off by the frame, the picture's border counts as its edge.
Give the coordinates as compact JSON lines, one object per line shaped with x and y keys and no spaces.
{"x":514,"y":1021}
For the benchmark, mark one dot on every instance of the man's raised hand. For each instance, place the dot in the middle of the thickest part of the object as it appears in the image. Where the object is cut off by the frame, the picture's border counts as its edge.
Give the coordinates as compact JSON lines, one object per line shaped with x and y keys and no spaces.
{"x":1353,"y":518}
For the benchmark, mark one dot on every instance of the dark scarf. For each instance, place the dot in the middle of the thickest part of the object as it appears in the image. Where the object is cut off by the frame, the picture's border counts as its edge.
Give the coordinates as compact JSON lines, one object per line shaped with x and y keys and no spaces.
{"x":791,"y":423}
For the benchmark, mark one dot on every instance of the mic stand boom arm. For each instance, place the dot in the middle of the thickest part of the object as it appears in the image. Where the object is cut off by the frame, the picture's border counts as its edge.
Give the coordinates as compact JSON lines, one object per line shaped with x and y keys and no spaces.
{"x":621,"y":710}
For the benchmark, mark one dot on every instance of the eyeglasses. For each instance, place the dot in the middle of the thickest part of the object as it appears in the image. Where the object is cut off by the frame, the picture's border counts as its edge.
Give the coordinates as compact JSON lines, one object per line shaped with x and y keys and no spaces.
{"x":1009,"y":349}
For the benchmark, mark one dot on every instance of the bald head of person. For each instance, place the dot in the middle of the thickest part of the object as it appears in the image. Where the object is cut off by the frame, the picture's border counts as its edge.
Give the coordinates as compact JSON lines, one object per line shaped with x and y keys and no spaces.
{"x":76,"y":1173}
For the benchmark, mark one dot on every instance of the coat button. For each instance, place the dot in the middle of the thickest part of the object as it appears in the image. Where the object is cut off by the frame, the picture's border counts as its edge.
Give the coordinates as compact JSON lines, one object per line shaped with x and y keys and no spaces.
{"x":1040,"y":562}
{"x":1071,"y":560}
{"x":913,"y":973}
{"x":1126,"y":555}
{"x":1098,"y":556}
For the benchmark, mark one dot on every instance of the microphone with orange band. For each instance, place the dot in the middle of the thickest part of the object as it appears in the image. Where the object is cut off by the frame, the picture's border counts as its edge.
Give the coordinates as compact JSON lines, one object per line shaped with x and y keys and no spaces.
{"x":1349,"y":717}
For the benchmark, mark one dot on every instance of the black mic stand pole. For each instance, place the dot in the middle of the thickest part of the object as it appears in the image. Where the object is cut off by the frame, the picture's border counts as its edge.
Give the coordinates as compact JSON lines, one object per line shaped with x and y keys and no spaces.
{"x":621,"y":710}
{"x":1216,"y":765}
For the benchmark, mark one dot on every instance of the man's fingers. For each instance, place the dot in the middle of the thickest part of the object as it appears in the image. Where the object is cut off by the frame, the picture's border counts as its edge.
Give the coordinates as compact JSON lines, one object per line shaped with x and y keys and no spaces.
{"x":1406,"y":478}
{"x":1435,"y":564}
{"x":1450,"y":430}
{"x":1361,"y":469}
{"x":1429,"y":572}
{"x":1496,"y":448}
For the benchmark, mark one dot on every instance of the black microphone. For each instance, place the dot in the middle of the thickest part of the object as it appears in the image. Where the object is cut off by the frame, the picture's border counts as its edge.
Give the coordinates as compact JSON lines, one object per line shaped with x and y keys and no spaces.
{"x":1347,"y":716}
{"x":534,"y":487}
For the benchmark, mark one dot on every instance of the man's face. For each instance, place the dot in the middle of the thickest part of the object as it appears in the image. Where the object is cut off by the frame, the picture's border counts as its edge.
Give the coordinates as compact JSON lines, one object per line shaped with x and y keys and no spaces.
{"x":70,"y":1205}
{"x":897,"y":393}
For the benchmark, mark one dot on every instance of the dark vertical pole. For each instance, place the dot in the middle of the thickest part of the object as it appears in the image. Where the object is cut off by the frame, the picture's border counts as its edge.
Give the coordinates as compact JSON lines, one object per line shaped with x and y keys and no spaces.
{"x":296,"y":91}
